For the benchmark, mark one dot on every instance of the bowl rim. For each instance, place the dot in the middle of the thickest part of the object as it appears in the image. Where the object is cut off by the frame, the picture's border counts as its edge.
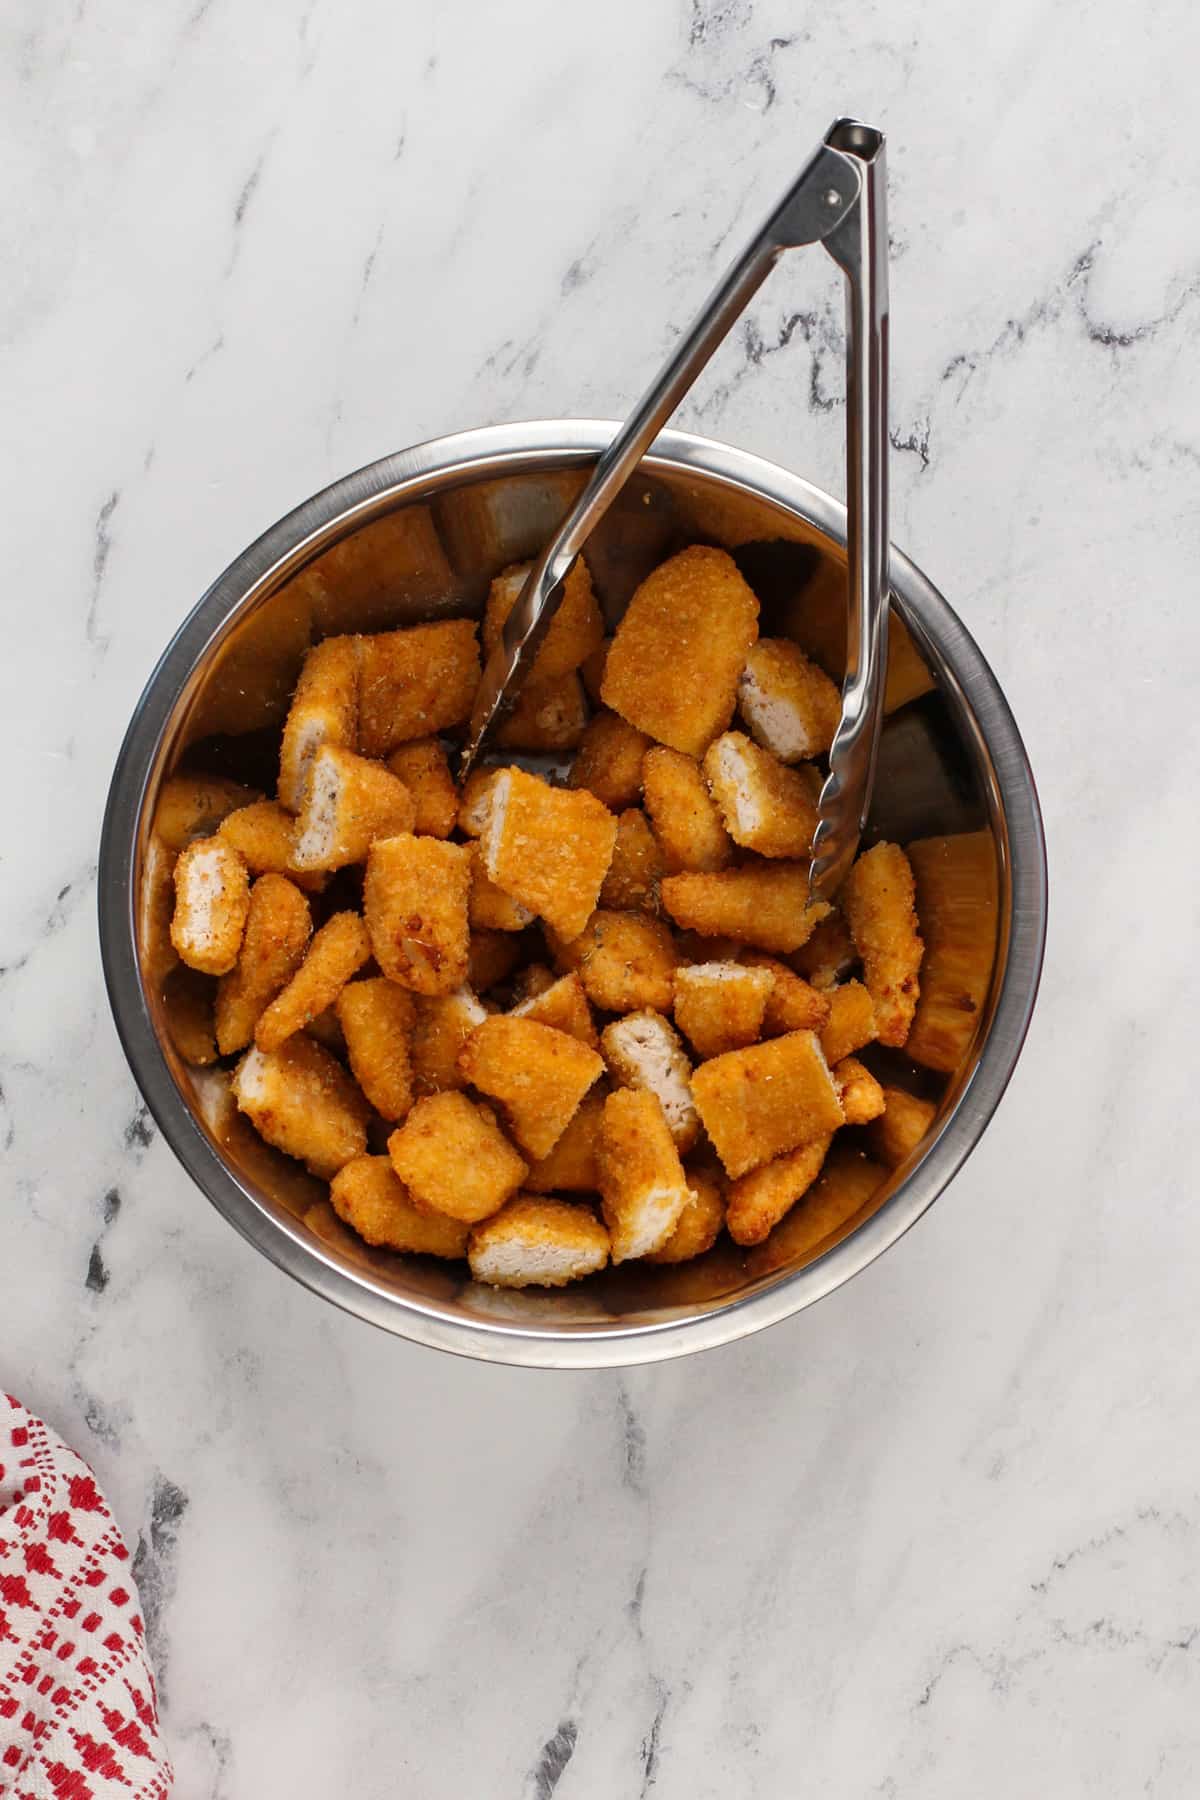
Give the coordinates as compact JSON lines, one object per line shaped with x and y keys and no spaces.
{"x":408,"y":476}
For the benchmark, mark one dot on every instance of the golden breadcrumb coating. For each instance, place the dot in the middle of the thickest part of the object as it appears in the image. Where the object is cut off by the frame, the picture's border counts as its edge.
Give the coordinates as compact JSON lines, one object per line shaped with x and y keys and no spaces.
{"x":851,"y":1022}
{"x":636,"y":869}
{"x":765,"y":806}
{"x":682,"y":811}
{"x":757,"y":1103}
{"x":789,"y":704}
{"x":626,"y":962}
{"x":563,"y":1005}
{"x":156,"y":907}
{"x":765,"y":905}
{"x":212,"y":898}
{"x":278,"y":928}
{"x":376,"y":1018}
{"x":301,"y":1100}
{"x":643,"y":1050}
{"x":536,"y":1075}
{"x":192,"y":806}
{"x":720,"y":1006}
{"x":829,"y":955}
{"x":415,"y":682}
{"x":348,"y":801}
{"x":792,"y":1004}
{"x":415,"y":902}
{"x":573,"y":1165}
{"x":642,"y":1184}
{"x":860,"y":1093}
{"x":699,"y":1224}
{"x":609,"y":763}
{"x":877,"y":898}
{"x":548,"y":847}
{"x":489,"y":908}
{"x":369,"y":1195}
{"x":900,"y":1127}
{"x":264,"y":836}
{"x":337,"y":952}
{"x":839,"y":1197}
{"x":537,"y":1243}
{"x":757,"y":1201}
{"x":324,"y":710}
{"x":422,"y":766}
{"x":442,"y":1026}
{"x":453,"y":1158}
{"x":675,"y":659}
{"x":474,"y":799}
{"x":547,"y":717}
{"x":188,"y":1005}
{"x":574,"y":633}
{"x":958,"y":907}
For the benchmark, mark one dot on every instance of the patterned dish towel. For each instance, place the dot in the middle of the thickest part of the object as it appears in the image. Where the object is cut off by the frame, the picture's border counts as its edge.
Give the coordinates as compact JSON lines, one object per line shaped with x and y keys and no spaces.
{"x":78,"y":1712}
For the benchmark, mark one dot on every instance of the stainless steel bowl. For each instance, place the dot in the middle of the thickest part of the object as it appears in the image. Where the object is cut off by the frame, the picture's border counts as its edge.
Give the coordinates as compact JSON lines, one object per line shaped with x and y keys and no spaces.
{"x":420,"y":534}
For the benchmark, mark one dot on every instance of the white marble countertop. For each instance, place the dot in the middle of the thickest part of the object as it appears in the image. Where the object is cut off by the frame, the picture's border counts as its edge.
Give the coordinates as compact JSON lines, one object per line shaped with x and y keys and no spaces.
{"x":939,"y":1536}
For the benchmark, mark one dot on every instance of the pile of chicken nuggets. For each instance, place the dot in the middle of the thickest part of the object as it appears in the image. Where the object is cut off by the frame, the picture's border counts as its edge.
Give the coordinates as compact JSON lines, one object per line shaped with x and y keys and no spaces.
{"x":544,"y":1024}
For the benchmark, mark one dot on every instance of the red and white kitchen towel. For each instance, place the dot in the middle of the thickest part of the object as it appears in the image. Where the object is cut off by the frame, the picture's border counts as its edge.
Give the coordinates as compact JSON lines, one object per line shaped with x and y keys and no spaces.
{"x":78,"y":1712}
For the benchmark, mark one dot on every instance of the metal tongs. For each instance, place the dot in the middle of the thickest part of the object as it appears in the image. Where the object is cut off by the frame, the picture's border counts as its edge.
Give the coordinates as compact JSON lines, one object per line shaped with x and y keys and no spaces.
{"x":839,"y":200}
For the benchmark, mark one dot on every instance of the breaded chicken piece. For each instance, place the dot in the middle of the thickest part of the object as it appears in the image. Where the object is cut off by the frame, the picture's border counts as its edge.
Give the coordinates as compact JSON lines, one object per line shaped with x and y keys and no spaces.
{"x":278,"y":929}
{"x":763,"y":905}
{"x":192,"y":806}
{"x":958,"y":907}
{"x":489,"y":908}
{"x":415,"y":899}
{"x":643,"y":1050}
{"x":764,"y":805}
{"x":564,"y":1006}
{"x":264,"y":836}
{"x":642,"y":1184}
{"x":301,"y":1100}
{"x":675,"y":659}
{"x":845,"y":1187}
{"x":548,"y":847}
{"x":474,"y":800}
{"x":789,"y":704}
{"x":699,"y":1224}
{"x":188,"y":1005}
{"x":324,"y":710}
{"x":860,"y":1093}
{"x":337,"y":952}
{"x":792,"y":1004}
{"x":574,"y":633}
{"x":537,"y":1243}
{"x":636,"y":869}
{"x":536,"y":1075}
{"x":609,"y":763}
{"x":377,"y":1018}
{"x":720,"y":1006}
{"x":348,"y":801}
{"x":212,"y":899}
{"x":682,"y":811}
{"x":757,"y":1201}
{"x":491,"y":958}
{"x":547,"y":717}
{"x":851,"y":1022}
{"x":591,"y":670}
{"x":900,"y":1127}
{"x":156,"y":906}
{"x":626,"y":962}
{"x":573,"y":1165}
{"x":755,"y":1104}
{"x":422,"y":766}
{"x":877,"y":898}
{"x":442,"y":1025}
{"x":828,"y":956}
{"x":415,"y":682}
{"x":369,"y":1195}
{"x":453,"y":1158}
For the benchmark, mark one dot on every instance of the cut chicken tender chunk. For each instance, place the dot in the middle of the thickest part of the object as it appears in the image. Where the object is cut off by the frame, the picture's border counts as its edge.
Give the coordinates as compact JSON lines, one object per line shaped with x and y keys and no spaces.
{"x":756,"y":1202}
{"x":636,"y":869}
{"x":212,"y":899}
{"x":699,"y":1224}
{"x":792,"y":1004}
{"x":491,"y":958}
{"x":264,"y":836}
{"x":475,"y":800}
{"x":626,"y":962}
{"x":756,"y":1104}
{"x":369,"y":1195}
{"x":537,"y":1243}
{"x":536,"y":1075}
{"x":720,"y":1006}
{"x":415,"y":900}
{"x":415,"y":682}
{"x":376,"y":1018}
{"x":851,"y":1022}
{"x":685,"y":818}
{"x":643,"y":1050}
{"x":765,"y":906}
{"x":422,"y":766}
{"x":877,"y":898}
{"x":573,"y":1166}
{"x":548,"y":716}
{"x":324,"y":710}
{"x":642,"y":1184}
{"x":564,"y":1006}
{"x":900,"y":1127}
{"x":442,"y":1026}
{"x":337,"y":952}
{"x":453,"y":1158}
{"x":489,"y":908}
{"x":765,"y":806}
{"x":609,"y":763}
{"x":860,"y":1093}
{"x":574,"y":633}
{"x":348,"y":802}
{"x":301,"y":1100}
{"x":548,"y":847}
{"x":278,"y":928}
{"x":829,"y":955}
{"x":675,"y":659}
{"x":958,"y":906}
{"x":192,"y":806}
{"x":789,"y":704}
{"x":156,"y":907}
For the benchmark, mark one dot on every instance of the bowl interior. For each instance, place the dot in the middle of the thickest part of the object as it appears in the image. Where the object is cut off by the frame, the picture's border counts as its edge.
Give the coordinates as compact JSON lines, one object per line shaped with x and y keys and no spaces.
{"x":402,"y":560}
